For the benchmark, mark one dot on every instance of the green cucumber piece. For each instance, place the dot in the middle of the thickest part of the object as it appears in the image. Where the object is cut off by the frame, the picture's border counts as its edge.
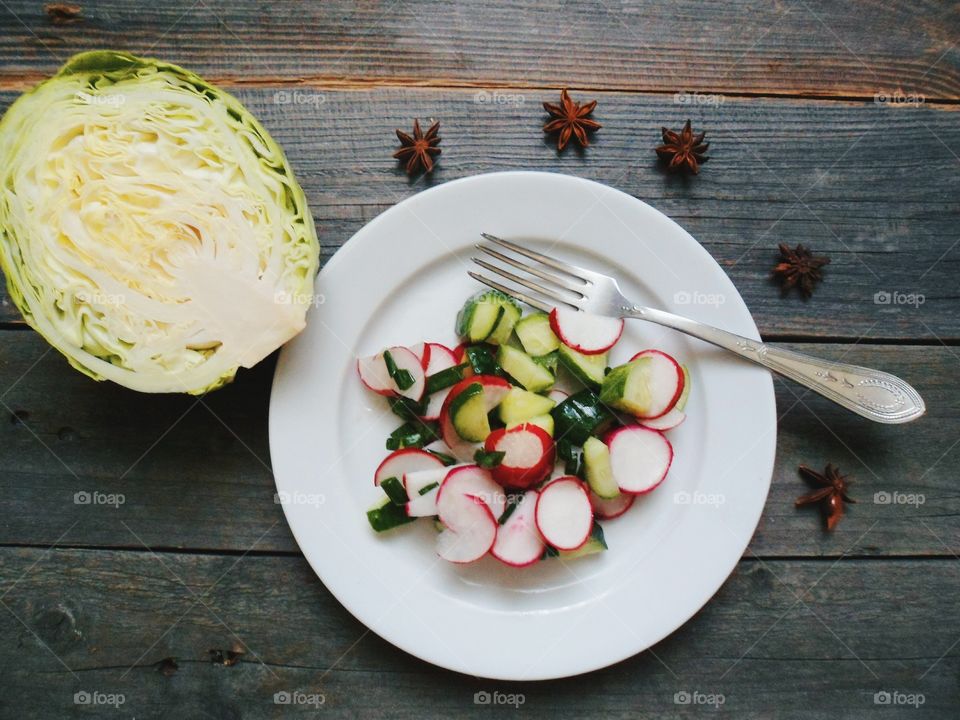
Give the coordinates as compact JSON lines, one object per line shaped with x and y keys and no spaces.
{"x":503,"y":330}
{"x":535,"y":334}
{"x":520,"y":405}
{"x":395,"y":490}
{"x":386,"y":515}
{"x":572,"y":457}
{"x":596,"y":463}
{"x":484,"y":313}
{"x":682,"y":400}
{"x":588,"y":369}
{"x":544,"y":421}
{"x":468,"y":413}
{"x":627,"y":387}
{"x":550,"y":361}
{"x":580,"y":416}
{"x":522,"y":368}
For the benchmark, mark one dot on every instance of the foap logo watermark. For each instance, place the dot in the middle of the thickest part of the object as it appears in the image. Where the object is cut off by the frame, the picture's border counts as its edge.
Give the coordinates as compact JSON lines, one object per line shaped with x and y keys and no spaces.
{"x":95,"y":497}
{"x":108,"y":100}
{"x":100,"y":298}
{"x":101,"y":699}
{"x":485,"y":697}
{"x":495,"y":97}
{"x":895,"y":297}
{"x":898,"y":498}
{"x":695,"y":297}
{"x":695,"y":697}
{"x":895,"y":697}
{"x":699,"y":498}
{"x":298,"y":498}
{"x":297,"y":697}
{"x":282,"y":297}
{"x":697,"y":98}
{"x":898,"y":97}
{"x":298,"y":97}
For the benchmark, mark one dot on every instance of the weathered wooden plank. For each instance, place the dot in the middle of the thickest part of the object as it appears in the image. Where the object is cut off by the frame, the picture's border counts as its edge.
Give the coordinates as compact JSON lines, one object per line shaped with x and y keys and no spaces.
{"x":787,"y":639}
{"x":205,"y":483}
{"x":874,"y":187}
{"x":820,"y":48}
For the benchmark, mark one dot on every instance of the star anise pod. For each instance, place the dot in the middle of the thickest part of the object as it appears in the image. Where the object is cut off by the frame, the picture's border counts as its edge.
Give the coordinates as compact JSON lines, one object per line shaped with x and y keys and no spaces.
{"x":831,"y":493}
{"x":799,"y":267}
{"x":418,"y":151}
{"x":683,"y":151}
{"x":570,"y":120}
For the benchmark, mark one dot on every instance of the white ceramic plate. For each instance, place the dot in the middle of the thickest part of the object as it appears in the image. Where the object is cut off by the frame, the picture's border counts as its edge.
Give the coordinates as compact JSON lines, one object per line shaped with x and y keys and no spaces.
{"x":401,"y":280}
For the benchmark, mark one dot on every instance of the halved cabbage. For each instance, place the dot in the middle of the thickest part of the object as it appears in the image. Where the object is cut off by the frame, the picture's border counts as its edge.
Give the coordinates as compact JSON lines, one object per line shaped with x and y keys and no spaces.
{"x":150,"y":228}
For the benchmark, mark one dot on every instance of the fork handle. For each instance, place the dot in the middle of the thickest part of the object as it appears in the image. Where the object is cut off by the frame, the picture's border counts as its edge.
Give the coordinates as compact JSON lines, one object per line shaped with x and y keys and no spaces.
{"x":875,"y":395}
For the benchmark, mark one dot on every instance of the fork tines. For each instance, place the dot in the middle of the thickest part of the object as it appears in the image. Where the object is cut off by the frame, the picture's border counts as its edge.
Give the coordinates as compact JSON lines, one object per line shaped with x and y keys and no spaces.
{"x":564,"y":284}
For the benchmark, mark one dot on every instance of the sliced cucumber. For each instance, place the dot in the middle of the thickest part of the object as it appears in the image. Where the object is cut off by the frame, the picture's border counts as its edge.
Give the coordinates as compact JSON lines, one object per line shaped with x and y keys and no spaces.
{"x":386,"y":515}
{"x":549,"y":361}
{"x":522,"y":368}
{"x":596,"y":461}
{"x":468,"y":413}
{"x":485,"y":314}
{"x":503,"y":330}
{"x":588,"y":369}
{"x":580,"y":416}
{"x":627,"y":387}
{"x":536,"y":336}
{"x":520,"y":405}
{"x":545,"y":422}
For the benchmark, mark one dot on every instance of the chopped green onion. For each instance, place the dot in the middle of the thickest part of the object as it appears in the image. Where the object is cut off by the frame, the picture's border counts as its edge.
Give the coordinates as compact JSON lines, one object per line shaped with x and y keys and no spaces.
{"x":402,"y":378}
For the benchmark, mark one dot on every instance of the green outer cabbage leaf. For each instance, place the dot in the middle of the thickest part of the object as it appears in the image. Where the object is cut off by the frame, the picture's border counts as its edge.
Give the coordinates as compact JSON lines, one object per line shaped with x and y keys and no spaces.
{"x":150,"y":228}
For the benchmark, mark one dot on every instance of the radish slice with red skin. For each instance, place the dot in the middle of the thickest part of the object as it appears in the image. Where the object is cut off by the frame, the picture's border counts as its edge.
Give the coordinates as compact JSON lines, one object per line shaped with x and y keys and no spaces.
{"x":607,"y":509}
{"x":584,"y":332}
{"x":563,"y":514}
{"x":441,"y":358}
{"x":666,"y":382}
{"x":373,"y":373}
{"x":476,"y":482}
{"x":407,"y":460}
{"x":528,"y":455}
{"x":518,"y":542}
{"x":665,"y":422}
{"x":422,"y":351}
{"x":639,"y":457}
{"x":470,"y":528}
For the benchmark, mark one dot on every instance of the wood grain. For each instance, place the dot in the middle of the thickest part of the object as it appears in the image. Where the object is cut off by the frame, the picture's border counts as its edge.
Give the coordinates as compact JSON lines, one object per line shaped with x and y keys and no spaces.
{"x":196,"y":475}
{"x":786,"y":639}
{"x":816,"y":48}
{"x":874,"y":187}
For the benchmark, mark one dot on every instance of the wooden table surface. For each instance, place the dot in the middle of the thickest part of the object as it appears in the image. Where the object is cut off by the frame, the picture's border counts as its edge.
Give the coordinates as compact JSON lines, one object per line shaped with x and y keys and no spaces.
{"x":834,"y":124}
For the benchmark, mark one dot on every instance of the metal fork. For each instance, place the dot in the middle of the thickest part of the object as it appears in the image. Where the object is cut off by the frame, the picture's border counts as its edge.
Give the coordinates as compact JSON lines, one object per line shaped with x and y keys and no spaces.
{"x":873,"y":394}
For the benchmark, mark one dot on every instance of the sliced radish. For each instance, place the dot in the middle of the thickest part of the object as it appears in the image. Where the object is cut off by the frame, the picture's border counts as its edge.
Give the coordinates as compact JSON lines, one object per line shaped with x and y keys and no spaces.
{"x":614,"y":507}
{"x":441,"y":358}
{"x":518,"y":541}
{"x":666,"y":381}
{"x":584,"y":332}
{"x":469,"y":528}
{"x":476,"y":482}
{"x":667,"y":421}
{"x":558,"y":396}
{"x":563,"y":514}
{"x":420,"y":503}
{"x":528,"y":455}
{"x":408,"y":460}
{"x":373,"y":373}
{"x":422,"y":351}
{"x":640,"y":458}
